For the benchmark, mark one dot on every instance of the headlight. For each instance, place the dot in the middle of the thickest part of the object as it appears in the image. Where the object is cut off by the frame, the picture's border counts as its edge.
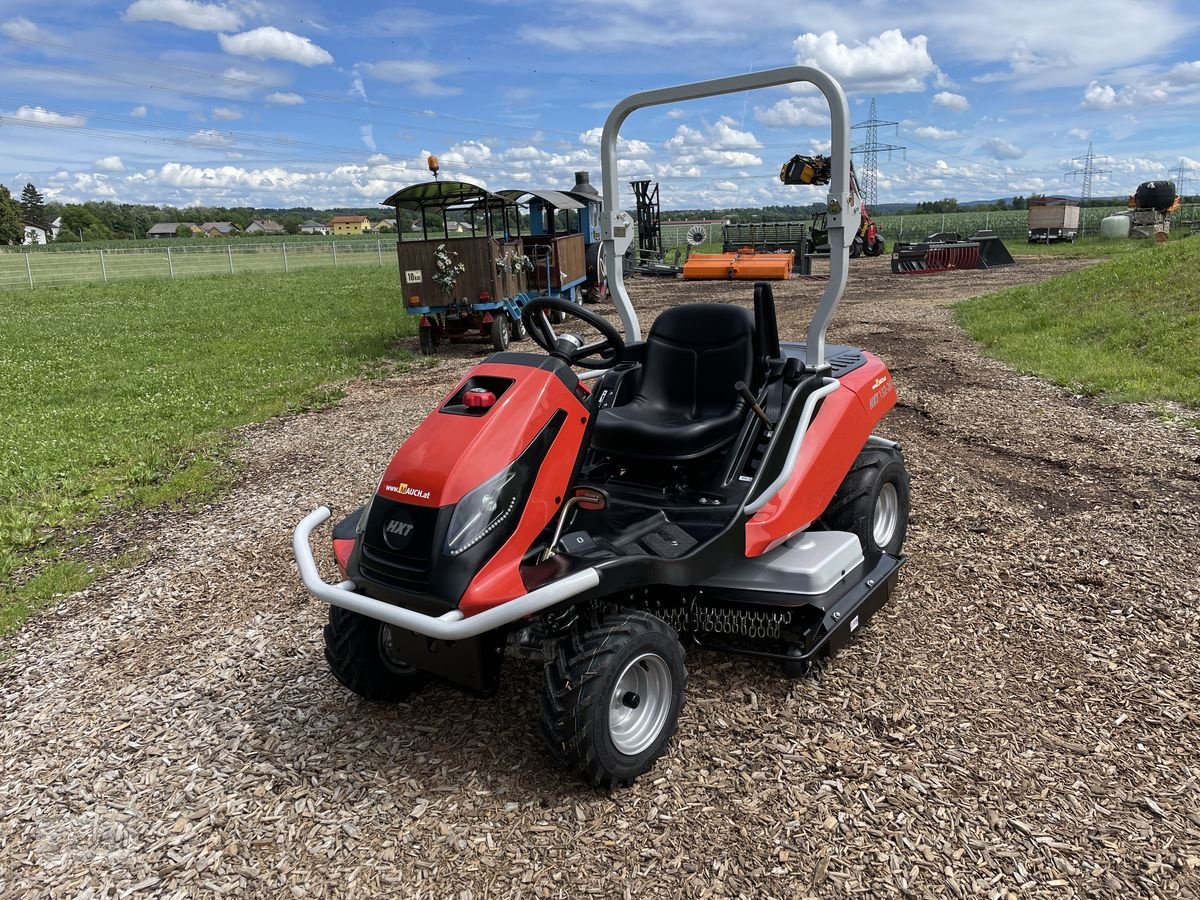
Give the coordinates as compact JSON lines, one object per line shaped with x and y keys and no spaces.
{"x":483,"y":510}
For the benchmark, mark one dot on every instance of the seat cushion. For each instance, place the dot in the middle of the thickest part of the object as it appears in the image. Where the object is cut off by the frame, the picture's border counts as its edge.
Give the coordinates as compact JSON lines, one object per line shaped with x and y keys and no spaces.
{"x":686,"y":404}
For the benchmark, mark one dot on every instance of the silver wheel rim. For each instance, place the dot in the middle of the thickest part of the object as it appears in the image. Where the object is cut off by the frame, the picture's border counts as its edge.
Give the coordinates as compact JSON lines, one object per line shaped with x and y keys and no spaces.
{"x":887,"y":512}
{"x":387,"y":651}
{"x":640,"y":703}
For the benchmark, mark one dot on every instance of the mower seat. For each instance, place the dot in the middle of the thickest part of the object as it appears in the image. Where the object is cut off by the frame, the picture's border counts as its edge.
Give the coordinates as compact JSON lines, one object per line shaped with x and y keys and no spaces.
{"x":686,"y":404}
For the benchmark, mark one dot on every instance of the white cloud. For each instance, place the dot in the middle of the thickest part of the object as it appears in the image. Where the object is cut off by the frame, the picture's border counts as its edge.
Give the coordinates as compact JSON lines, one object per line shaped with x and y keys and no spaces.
{"x":1102,"y":97}
{"x":367,"y":133}
{"x":791,"y":113}
{"x":226,"y":113}
{"x":1078,"y":133}
{"x":886,"y":63}
{"x":1002,"y":149}
{"x":44,"y":116}
{"x":950,"y":101}
{"x":729,"y":138}
{"x":185,"y":14}
{"x":627,"y":148}
{"x":22,"y":29}
{"x":1099,"y":96}
{"x":284,"y":98}
{"x":209,"y":137}
{"x":417,"y":74}
{"x":1186,"y":72}
{"x":138,"y":112}
{"x":690,"y":146}
{"x":269,"y":42}
{"x":109,"y":164}
{"x":676,"y":113}
{"x":933,"y":133}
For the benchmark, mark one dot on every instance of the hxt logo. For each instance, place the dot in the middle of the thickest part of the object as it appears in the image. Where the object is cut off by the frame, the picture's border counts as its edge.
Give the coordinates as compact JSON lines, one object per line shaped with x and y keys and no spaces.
{"x":402,"y":529}
{"x":404,"y":490}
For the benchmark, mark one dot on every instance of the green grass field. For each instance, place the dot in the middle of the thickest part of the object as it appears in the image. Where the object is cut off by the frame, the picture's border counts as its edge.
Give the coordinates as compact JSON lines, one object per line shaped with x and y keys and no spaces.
{"x":1127,"y":328}
{"x":120,"y":395}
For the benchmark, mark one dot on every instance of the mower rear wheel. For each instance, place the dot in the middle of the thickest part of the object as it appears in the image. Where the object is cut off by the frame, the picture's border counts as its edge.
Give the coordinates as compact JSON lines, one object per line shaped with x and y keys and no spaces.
{"x":358,"y":650}
{"x":872,"y":502}
{"x":612,"y":694}
{"x":856,"y":248}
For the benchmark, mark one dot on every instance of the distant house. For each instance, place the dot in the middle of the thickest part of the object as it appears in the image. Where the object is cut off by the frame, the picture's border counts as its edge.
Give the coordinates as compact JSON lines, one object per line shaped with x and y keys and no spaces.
{"x":169,"y":229}
{"x":313,"y":227}
{"x":385,"y":225}
{"x":219,"y":229}
{"x":34,"y":234}
{"x":350,"y":224}
{"x":55,"y":228}
{"x":265,"y":226}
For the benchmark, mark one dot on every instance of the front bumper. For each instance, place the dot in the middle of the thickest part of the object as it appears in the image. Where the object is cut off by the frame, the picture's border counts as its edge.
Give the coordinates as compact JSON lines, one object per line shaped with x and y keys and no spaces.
{"x":450,"y":626}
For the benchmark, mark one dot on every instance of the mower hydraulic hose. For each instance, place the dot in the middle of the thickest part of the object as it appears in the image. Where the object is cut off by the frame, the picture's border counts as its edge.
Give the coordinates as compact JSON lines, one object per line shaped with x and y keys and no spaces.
{"x":451,"y":626}
{"x":789,"y":463}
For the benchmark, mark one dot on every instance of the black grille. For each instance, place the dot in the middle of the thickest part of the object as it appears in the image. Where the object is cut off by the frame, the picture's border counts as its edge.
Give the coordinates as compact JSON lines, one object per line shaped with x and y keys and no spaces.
{"x":410,"y":567}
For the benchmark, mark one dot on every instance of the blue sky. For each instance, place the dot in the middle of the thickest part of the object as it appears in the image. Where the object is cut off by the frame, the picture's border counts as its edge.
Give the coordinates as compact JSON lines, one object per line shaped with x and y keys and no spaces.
{"x":291,"y":102}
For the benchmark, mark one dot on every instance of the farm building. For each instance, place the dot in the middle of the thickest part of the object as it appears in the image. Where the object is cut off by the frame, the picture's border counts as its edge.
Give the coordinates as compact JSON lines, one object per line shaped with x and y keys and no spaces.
{"x":169,"y":229}
{"x":313,"y":227}
{"x":264,"y":226}
{"x":219,"y":229}
{"x":350,"y":224}
{"x":34,"y":234}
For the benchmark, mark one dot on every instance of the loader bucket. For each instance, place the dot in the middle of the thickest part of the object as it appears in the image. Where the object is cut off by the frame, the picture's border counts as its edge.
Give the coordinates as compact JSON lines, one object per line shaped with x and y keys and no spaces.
{"x":992,"y":251}
{"x":928,"y":258}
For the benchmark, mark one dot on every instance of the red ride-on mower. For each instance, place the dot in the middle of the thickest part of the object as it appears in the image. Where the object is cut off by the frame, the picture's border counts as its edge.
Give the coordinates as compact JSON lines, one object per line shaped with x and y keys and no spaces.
{"x":715,"y":485}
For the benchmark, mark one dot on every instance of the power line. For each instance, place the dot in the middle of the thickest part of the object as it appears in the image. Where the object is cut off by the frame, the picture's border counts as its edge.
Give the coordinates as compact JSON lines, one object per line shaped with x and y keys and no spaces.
{"x":869,"y":176}
{"x":1181,"y":176}
{"x":1087,"y":169}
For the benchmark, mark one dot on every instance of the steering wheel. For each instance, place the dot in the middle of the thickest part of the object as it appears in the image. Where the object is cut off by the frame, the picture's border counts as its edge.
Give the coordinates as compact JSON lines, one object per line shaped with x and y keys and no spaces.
{"x":602,"y":354}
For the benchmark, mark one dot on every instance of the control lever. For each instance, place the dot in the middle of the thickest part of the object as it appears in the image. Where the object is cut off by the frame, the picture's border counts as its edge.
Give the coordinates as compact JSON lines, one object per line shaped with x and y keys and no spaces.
{"x":748,"y":396}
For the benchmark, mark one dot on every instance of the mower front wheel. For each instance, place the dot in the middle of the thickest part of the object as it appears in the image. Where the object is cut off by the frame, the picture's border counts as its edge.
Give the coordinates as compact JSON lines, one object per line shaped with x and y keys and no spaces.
{"x":612,"y":695}
{"x":872,"y":502}
{"x":359,"y":652}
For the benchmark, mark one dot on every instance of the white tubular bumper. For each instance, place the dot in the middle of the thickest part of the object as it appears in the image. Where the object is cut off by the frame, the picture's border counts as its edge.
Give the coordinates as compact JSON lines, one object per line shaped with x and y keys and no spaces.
{"x":451,"y":626}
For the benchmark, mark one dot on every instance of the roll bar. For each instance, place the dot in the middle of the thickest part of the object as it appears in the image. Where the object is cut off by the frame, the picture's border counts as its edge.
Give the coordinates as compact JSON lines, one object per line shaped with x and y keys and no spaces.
{"x":616,"y":225}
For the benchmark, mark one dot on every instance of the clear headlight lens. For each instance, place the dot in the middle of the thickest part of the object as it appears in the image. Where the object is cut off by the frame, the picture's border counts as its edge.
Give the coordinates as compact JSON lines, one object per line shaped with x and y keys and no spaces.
{"x":483,"y":510}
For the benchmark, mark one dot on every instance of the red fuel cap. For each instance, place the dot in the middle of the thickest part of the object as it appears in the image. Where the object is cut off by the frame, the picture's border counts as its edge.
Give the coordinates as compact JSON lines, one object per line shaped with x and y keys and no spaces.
{"x":478,"y":398}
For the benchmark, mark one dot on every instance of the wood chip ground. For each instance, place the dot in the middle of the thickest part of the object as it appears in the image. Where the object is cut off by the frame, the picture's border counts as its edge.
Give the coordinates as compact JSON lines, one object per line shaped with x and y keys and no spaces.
{"x":1020,"y":721}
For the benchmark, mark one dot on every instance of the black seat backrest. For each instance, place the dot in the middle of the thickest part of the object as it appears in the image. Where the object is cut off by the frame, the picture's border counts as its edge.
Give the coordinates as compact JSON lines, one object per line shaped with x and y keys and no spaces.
{"x":695,"y":354}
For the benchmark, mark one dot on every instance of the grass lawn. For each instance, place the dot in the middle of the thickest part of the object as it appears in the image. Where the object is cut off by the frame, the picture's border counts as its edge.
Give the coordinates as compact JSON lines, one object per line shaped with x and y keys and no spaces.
{"x":1083,"y":248}
{"x":119,"y":395}
{"x":1127,"y":328}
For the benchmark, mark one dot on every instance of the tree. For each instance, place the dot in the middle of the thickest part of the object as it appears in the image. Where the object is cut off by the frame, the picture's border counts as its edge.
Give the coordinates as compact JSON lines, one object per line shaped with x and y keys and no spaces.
{"x":33,"y":206}
{"x":11,"y":229}
{"x":945,"y":205}
{"x":183,"y":231}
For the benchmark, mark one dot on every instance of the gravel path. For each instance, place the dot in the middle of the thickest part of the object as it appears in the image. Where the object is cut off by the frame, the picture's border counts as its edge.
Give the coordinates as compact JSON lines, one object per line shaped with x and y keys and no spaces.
{"x":1021,"y":720}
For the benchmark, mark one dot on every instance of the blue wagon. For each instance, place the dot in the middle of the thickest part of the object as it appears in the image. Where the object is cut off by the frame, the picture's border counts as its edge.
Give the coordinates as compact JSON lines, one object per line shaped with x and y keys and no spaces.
{"x":474,"y":276}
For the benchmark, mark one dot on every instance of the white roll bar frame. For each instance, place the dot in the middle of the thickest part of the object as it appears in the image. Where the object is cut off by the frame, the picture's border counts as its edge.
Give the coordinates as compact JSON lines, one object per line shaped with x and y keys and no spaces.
{"x":450,"y":626}
{"x":616,"y":225}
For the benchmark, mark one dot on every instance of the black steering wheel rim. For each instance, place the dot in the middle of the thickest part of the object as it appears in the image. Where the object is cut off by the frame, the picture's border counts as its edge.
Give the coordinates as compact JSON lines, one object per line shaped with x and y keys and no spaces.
{"x":603,"y":354}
